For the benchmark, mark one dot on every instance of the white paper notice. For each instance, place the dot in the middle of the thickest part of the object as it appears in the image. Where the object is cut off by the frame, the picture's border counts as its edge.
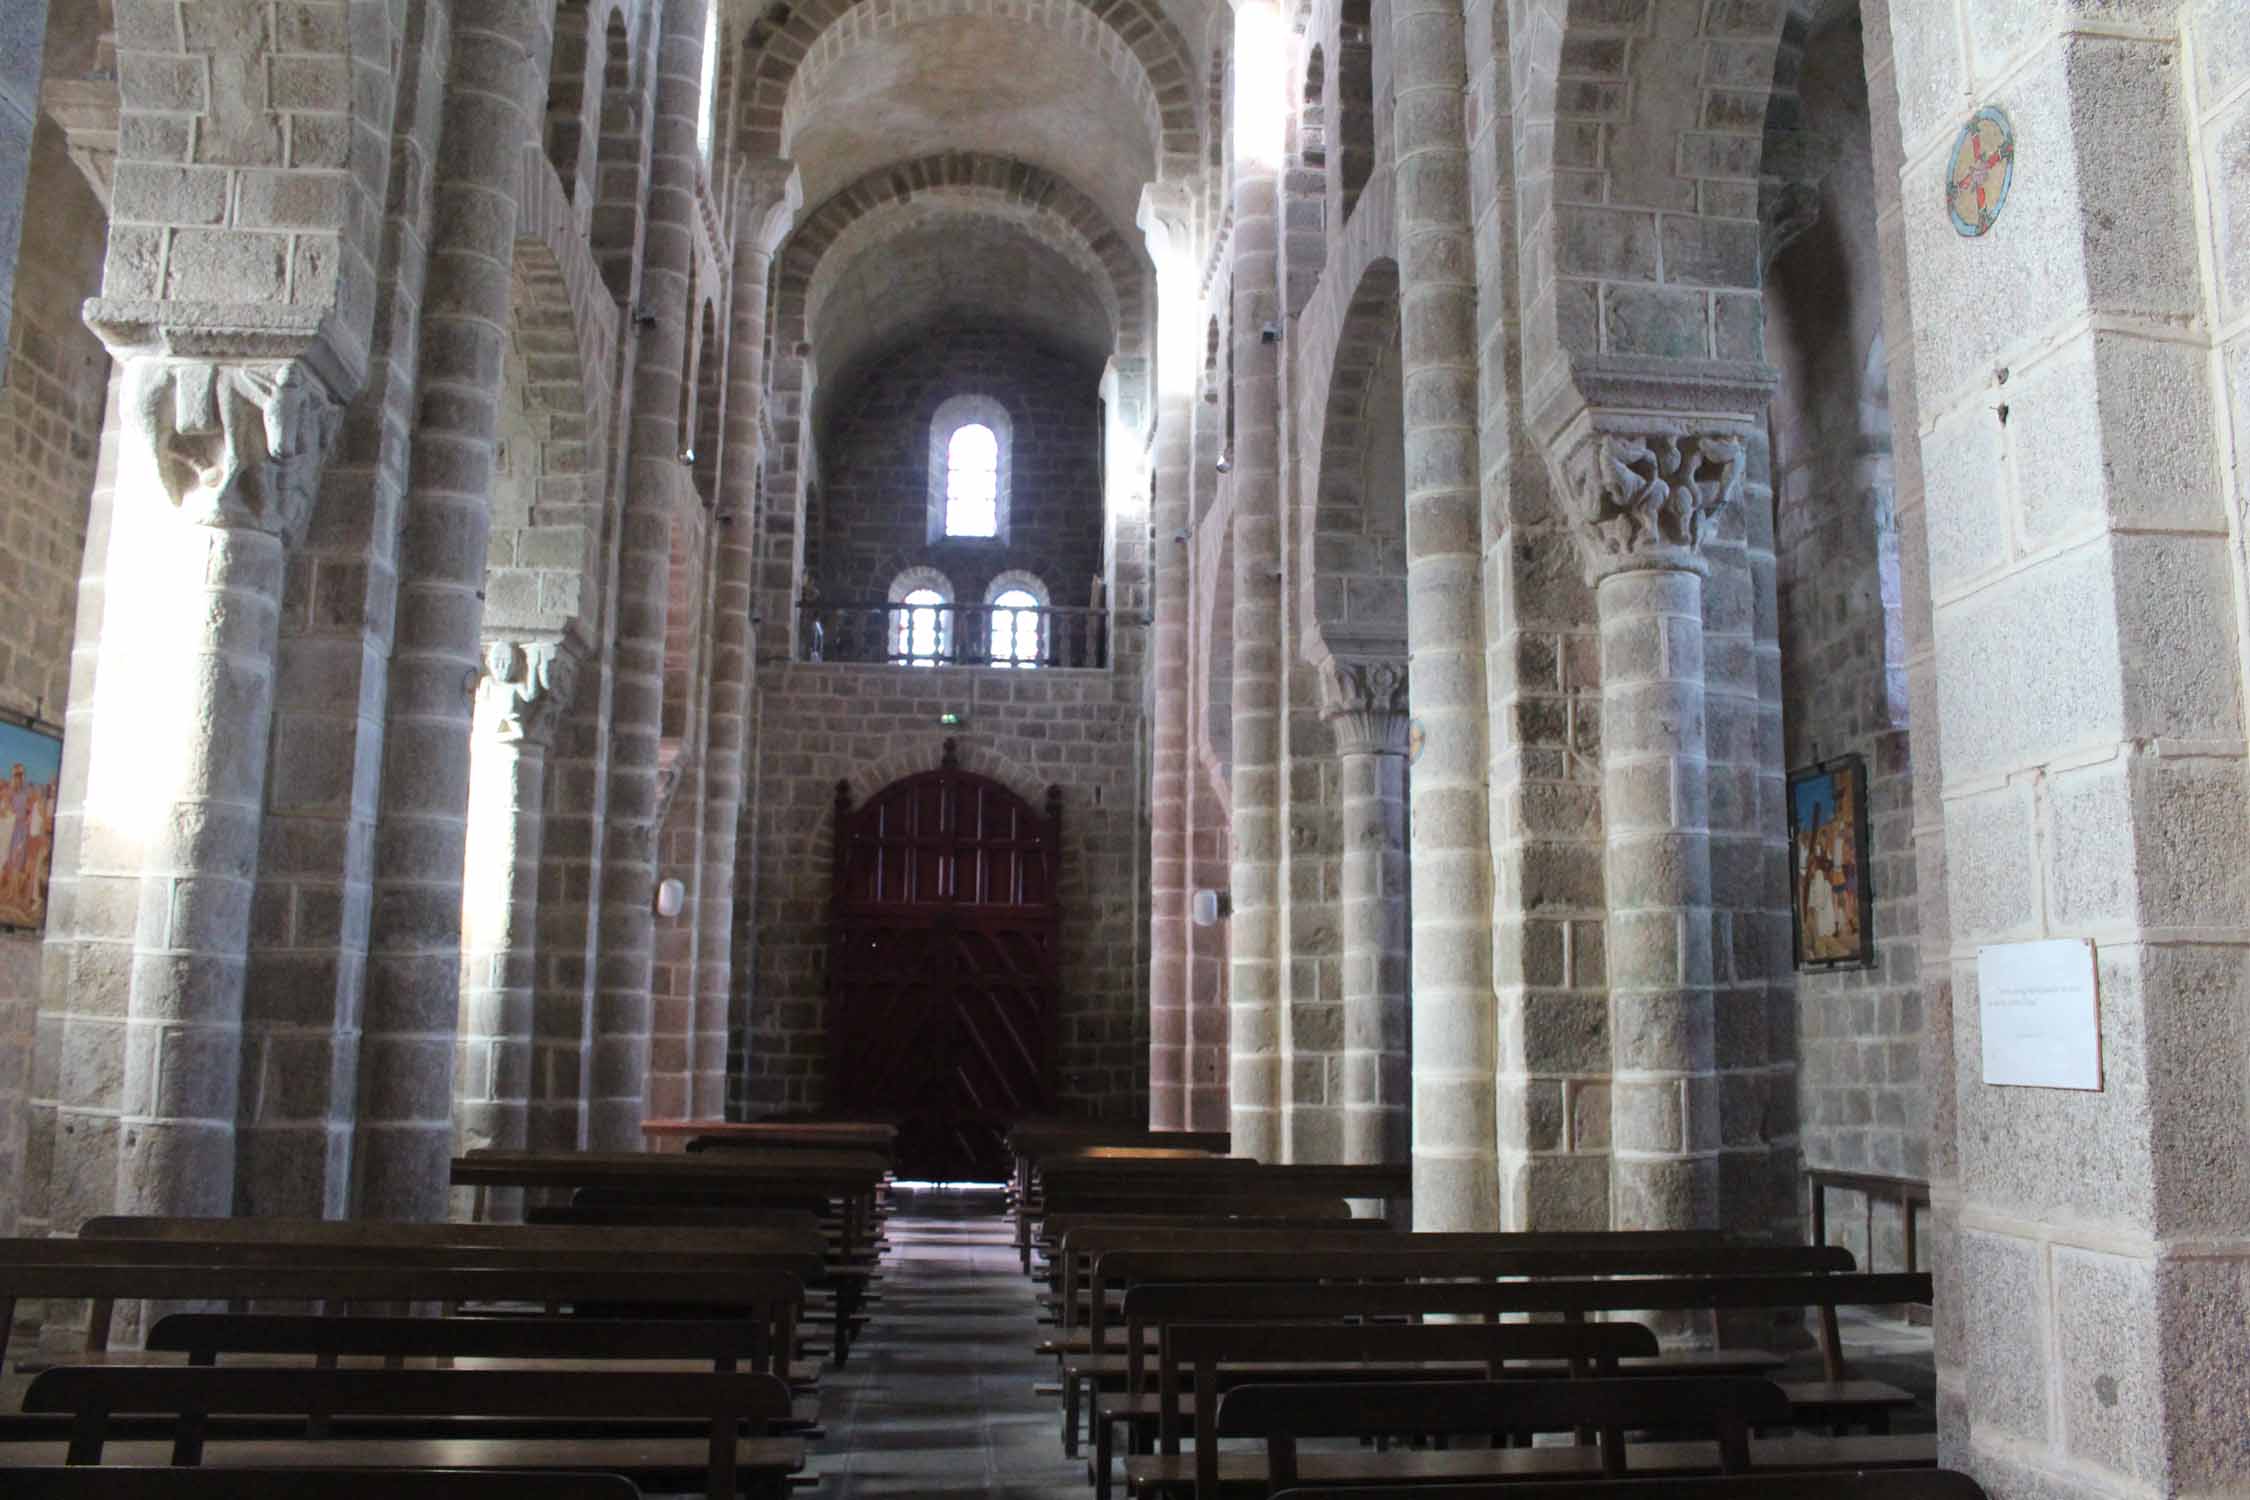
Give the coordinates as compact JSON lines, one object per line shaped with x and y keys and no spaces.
{"x":2040,"y":1015}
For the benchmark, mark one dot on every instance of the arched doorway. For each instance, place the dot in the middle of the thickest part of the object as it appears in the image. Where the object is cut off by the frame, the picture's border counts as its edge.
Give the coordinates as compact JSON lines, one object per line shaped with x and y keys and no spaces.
{"x":942,"y":973}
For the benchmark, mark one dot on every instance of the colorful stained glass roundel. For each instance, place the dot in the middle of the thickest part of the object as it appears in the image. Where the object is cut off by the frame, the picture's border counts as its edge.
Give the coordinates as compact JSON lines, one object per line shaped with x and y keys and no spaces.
{"x":1983,"y":164}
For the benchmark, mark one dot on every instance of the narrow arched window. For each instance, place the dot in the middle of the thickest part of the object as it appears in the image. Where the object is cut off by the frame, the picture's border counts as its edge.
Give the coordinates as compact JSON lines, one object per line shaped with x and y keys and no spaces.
{"x":1016,"y":622}
{"x":706,"y":122}
{"x":921,"y":619}
{"x":969,"y":462}
{"x":972,"y":482}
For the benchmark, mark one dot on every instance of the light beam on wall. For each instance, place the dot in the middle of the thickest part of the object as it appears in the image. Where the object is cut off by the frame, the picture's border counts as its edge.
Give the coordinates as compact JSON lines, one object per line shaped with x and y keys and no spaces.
{"x":1261,"y":59}
{"x":1179,"y":313}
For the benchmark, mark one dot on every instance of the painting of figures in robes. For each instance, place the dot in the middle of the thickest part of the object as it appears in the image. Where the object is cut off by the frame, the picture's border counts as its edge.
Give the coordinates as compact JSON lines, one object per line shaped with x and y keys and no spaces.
{"x":1830,"y":899}
{"x":30,"y":786}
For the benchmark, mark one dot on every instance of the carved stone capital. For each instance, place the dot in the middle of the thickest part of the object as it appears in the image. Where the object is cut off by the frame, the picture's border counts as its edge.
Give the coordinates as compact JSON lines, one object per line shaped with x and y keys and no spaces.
{"x":233,"y":444}
{"x":1364,"y":702}
{"x":527,"y":685}
{"x":1647,"y":502}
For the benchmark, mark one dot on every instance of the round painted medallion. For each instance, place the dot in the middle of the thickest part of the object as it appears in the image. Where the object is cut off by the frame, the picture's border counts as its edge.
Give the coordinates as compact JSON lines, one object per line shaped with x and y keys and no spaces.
{"x":1984,"y":163}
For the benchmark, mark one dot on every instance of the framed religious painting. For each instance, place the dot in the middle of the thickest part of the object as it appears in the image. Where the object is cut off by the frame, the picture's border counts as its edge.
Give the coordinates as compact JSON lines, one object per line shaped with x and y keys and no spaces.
{"x":30,"y":787}
{"x":1831,"y":898}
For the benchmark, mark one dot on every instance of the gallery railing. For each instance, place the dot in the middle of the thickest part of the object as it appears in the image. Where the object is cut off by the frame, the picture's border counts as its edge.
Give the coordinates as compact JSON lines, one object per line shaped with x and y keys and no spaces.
{"x":953,"y":635}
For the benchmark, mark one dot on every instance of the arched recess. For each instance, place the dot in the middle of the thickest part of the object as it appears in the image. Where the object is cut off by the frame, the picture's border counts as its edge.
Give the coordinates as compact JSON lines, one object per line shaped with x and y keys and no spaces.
{"x":621,"y":162}
{"x":540,"y":605}
{"x":1351,"y":104}
{"x":710,"y":367}
{"x":1627,"y":139}
{"x":1354,"y":574}
{"x":567,"y":139}
{"x":785,"y":37}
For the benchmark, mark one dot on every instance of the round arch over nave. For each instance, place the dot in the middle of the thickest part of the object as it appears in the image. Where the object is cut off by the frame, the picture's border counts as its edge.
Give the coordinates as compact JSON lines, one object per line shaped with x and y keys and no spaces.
{"x":1591,"y":601}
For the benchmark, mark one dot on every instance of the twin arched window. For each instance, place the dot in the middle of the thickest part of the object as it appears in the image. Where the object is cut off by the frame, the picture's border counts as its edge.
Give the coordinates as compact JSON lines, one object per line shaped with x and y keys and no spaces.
{"x":1010,"y":631}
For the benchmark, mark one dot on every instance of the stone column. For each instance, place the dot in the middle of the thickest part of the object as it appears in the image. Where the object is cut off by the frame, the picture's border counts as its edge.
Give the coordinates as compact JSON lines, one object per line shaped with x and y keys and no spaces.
{"x":526,"y":687}
{"x":618,"y":1072}
{"x":1169,"y":655}
{"x":412,"y":1012}
{"x":1365,"y":704}
{"x":734,"y":640}
{"x":1254,"y":1070}
{"x":1456,"y":1183}
{"x":220,"y":469}
{"x":1643,"y":506}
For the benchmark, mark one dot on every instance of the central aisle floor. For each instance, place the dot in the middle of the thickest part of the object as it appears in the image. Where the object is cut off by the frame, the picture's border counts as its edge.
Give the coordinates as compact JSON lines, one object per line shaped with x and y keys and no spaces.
{"x":937,"y":1399}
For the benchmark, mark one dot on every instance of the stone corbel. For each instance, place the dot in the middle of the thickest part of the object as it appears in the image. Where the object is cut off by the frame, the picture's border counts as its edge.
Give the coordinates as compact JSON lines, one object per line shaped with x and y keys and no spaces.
{"x":1648,"y":501}
{"x":527,"y":685}
{"x":1364,"y":703}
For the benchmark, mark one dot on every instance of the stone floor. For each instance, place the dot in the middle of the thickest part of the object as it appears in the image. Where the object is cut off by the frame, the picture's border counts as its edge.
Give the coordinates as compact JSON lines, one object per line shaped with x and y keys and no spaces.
{"x":937,"y":1399}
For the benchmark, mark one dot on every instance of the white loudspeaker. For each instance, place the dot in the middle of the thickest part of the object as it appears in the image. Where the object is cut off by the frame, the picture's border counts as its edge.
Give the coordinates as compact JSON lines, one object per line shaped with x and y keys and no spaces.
{"x":1204,"y":909}
{"x":671,"y":897}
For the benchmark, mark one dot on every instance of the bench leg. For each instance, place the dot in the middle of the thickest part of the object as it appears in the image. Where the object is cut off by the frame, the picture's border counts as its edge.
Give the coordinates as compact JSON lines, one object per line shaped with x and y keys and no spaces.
{"x":1104,"y":1437}
{"x":1070,"y":1415}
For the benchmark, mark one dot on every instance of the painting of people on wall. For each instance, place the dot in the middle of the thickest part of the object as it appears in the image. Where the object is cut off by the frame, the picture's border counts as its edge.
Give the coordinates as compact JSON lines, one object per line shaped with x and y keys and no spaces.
{"x":30,"y":786}
{"x":1831,"y":901}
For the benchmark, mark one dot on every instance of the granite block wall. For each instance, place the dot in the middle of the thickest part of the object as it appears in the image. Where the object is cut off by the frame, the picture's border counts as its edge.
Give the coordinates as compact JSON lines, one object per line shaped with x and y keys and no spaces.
{"x":870,"y":725}
{"x":873,"y":519}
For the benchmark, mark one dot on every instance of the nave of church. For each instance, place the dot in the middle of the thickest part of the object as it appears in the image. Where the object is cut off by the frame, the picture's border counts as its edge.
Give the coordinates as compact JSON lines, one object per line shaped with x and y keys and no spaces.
{"x":1604,"y":638}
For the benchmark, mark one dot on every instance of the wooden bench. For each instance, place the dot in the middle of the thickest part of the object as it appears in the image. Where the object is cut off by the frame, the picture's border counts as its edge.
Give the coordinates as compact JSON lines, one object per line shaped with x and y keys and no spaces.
{"x":1481,"y":1257}
{"x":1337,"y":1350}
{"x":1030,"y":1141}
{"x":109,"y":1483}
{"x":1281,"y":1416}
{"x":772,"y":1290}
{"x":720,"y":1461}
{"x":1878,"y":1484}
{"x":764,"y":1297}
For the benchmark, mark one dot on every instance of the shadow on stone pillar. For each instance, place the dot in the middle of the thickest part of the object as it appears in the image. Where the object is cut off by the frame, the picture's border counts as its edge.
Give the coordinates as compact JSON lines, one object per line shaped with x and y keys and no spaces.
{"x":1365,"y":705}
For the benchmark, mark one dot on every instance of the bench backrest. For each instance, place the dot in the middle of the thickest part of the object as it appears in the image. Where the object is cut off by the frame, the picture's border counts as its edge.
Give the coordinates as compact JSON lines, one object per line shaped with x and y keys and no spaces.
{"x":1727,"y":1407}
{"x":793,"y":1233}
{"x":92,"y":1395}
{"x":1480,"y":1257}
{"x":772,"y":1297}
{"x":1193,"y":1352}
{"x":1872,"y":1484}
{"x":726,"y":1342}
{"x":311,"y":1484}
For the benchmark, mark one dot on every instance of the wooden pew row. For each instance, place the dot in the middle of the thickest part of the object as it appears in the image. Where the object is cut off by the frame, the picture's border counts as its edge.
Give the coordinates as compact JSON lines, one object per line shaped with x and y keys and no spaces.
{"x":1876,"y":1484}
{"x":114,"y":1483}
{"x":1068,"y":1273}
{"x":720,"y":1463}
{"x":1405,"y":1351}
{"x":71,"y":1270}
{"x":851,"y":1135}
{"x":655,"y":1186}
{"x":767,"y":1285}
{"x":1727,"y":1409}
{"x":1210,"y":1344}
{"x":1090,"y":1363}
{"x":1031,"y":1140}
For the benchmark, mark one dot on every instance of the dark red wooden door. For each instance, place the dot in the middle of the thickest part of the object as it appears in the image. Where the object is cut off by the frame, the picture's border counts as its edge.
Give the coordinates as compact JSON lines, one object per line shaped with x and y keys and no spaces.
{"x":942,"y":975}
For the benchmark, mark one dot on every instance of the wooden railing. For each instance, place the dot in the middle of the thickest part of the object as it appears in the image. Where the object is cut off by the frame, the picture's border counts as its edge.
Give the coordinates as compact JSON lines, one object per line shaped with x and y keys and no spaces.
{"x":953,"y":635}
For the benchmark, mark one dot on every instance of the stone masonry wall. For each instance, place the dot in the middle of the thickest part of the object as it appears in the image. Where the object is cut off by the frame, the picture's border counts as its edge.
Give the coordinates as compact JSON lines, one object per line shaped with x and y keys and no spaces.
{"x":874,"y":513}
{"x":871,"y":725}
{"x":51,"y":408}
{"x":1843,"y":643}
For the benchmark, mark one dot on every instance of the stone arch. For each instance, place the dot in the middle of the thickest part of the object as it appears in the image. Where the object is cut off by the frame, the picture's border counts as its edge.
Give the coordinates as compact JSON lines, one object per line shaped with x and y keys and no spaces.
{"x":569,"y":144}
{"x":1013,"y":184}
{"x":1351,"y":105}
{"x":816,"y":849}
{"x":1637,"y":179}
{"x":1354,"y":572}
{"x":786,"y":41}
